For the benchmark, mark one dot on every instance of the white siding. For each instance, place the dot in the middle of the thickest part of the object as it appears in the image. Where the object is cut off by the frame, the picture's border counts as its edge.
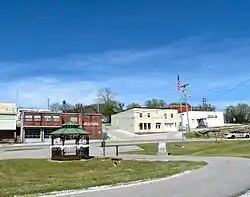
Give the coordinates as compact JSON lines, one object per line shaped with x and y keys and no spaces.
{"x":152,"y":120}
{"x":8,"y":122}
{"x":123,"y":120}
{"x":211,"y":119}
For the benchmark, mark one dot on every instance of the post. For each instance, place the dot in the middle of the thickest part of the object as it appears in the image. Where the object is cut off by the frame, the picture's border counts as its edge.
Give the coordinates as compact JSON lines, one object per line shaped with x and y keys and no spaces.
{"x":186,"y":96}
{"x":103,"y":143}
{"x":80,"y":117}
{"x":48,"y":103}
{"x":117,"y":150}
{"x":103,"y":148}
{"x":182,"y":134}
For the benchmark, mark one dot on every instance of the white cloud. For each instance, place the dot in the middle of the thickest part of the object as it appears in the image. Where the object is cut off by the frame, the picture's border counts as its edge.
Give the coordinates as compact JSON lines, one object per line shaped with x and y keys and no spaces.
{"x":126,"y":73}
{"x":34,"y":91}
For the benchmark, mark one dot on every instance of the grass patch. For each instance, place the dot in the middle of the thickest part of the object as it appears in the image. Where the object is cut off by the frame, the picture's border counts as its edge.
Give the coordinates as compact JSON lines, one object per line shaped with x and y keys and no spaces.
{"x":32,"y":176}
{"x":212,"y":148}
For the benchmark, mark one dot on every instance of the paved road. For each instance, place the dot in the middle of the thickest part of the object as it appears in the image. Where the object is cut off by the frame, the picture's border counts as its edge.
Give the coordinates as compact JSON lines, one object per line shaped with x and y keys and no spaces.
{"x":222,"y":177}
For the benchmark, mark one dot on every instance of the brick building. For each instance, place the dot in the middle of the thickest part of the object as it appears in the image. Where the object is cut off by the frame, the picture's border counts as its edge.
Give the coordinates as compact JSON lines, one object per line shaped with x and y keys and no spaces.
{"x":36,"y":126}
{"x":181,"y":108}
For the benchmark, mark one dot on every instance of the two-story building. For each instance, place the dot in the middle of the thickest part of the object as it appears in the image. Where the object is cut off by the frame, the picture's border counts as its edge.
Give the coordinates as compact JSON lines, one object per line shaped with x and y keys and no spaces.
{"x":35,"y":126}
{"x":146,"y":120}
{"x":8,"y":121}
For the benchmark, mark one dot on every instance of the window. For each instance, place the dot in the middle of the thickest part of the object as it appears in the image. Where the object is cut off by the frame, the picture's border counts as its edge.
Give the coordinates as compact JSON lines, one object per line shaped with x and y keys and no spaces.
{"x":73,"y":119}
{"x":175,"y":124}
{"x":148,"y":115}
{"x":32,"y":133}
{"x":37,"y":118}
{"x":140,"y":114}
{"x":141,"y":126}
{"x":149,"y":126}
{"x":56,"y":118}
{"x":145,"y":126}
{"x":172,"y":115}
{"x":47,"y":118}
{"x":158,"y":125}
{"x":28,"y":117}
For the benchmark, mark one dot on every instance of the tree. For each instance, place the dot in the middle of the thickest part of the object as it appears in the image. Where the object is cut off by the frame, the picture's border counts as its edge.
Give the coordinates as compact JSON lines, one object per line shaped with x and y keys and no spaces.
{"x":179,"y":103}
{"x":64,"y":107}
{"x":238,"y":114}
{"x":109,"y":105}
{"x":206,"y":107}
{"x":155,"y":103}
{"x":133,"y":105}
{"x":56,"y":107}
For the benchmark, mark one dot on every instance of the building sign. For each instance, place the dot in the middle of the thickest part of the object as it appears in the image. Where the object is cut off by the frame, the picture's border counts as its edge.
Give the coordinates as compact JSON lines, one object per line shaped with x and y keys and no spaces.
{"x":90,"y":124}
{"x":8,"y":108}
{"x":211,"y":116}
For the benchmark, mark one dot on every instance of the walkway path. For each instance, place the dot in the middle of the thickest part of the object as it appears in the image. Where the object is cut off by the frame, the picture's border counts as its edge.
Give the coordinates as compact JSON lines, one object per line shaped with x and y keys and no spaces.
{"x":222,"y":177}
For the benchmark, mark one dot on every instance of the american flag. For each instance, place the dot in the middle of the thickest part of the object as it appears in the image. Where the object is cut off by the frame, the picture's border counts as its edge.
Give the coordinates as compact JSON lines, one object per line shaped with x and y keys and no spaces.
{"x":178,"y":83}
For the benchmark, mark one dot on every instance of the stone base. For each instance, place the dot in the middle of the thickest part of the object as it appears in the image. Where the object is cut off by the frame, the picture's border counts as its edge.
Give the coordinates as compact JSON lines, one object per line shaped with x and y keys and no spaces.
{"x":162,"y":149}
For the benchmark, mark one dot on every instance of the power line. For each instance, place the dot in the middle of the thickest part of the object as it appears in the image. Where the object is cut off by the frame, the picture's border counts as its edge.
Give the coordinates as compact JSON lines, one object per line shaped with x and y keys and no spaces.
{"x":225,"y":91}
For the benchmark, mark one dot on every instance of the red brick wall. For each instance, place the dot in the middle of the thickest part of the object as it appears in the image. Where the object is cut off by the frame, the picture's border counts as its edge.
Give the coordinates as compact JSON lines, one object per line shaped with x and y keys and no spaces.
{"x":90,"y":122}
{"x":179,"y":108}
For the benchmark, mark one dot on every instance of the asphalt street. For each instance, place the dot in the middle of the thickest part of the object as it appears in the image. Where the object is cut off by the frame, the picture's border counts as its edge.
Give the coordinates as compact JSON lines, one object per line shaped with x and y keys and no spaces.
{"x":222,"y":177}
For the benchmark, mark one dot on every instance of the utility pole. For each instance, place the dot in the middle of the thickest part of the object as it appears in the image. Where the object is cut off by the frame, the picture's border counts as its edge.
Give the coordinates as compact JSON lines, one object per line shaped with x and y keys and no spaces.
{"x":204,"y":104}
{"x":48,"y":99}
{"x":185,"y":95}
{"x":182,"y":134}
{"x":98,"y":107}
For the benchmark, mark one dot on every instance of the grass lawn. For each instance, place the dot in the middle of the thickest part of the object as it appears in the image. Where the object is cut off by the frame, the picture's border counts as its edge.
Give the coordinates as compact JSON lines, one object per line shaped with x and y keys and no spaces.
{"x":223,"y":148}
{"x":32,"y":176}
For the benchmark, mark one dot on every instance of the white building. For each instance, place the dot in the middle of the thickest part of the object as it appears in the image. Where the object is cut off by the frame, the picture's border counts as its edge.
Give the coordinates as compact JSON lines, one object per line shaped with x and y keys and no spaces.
{"x":8,"y":116}
{"x":201,"y":119}
{"x":146,"y":120}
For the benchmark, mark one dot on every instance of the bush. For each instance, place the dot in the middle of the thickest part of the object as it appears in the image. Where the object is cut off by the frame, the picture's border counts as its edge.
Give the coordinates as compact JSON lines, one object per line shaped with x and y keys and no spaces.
{"x":194,"y":134}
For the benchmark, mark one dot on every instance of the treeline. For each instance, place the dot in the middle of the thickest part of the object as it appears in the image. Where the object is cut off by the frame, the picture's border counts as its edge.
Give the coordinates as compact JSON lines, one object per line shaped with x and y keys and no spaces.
{"x":107,"y":104}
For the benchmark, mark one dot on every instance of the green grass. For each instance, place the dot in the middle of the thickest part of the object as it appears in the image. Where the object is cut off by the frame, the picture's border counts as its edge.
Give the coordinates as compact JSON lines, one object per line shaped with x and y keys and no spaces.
{"x":32,"y":176}
{"x":212,"y":148}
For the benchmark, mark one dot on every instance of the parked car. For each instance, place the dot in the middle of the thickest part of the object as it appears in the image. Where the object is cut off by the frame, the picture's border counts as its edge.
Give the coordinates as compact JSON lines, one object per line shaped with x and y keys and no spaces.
{"x":237,"y":134}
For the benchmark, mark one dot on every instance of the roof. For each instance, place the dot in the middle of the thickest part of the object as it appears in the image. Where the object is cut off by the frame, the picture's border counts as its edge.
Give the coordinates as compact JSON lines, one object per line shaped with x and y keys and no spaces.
{"x":70,"y":128}
{"x":164,"y":108}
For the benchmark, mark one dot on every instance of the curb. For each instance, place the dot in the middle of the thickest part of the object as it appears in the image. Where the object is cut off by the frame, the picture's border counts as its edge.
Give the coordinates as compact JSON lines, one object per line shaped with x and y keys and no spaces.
{"x":109,"y":187}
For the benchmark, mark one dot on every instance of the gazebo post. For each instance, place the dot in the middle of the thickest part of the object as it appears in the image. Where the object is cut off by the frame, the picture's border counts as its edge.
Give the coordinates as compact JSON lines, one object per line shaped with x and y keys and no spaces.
{"x":87,"y":139}
{"x":52,"y":141}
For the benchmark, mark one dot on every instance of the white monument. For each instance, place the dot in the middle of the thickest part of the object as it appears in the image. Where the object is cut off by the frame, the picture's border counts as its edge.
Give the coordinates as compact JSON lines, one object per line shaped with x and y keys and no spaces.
{"x":162,"y":149}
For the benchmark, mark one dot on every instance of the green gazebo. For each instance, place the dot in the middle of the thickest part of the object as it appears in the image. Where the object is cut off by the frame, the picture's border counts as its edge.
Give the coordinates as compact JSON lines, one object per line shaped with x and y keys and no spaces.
{"x":69,"y":131}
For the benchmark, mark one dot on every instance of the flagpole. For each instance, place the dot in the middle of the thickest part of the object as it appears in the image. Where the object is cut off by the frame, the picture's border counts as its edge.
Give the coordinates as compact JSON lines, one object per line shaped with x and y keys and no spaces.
{"x":180,"y":90}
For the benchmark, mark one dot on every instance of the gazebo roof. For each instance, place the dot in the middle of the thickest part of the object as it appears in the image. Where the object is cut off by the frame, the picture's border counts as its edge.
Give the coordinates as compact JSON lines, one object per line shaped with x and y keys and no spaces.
{"x":70,"y":128}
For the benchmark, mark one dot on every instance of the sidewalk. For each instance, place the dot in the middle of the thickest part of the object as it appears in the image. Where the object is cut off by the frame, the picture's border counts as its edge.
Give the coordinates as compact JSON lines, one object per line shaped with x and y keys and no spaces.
{"x":27,"y":144}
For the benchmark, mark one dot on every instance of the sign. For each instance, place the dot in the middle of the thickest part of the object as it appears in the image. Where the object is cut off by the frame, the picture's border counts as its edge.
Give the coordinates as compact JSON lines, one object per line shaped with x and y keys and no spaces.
{"x":90,"y":124}
{"x":8,"y":108}
{"x":211,"y":116}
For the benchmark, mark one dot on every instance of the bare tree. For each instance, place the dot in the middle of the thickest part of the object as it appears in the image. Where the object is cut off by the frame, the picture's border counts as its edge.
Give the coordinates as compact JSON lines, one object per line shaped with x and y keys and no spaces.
{"x":64,"y":107}
{"x":56,"y":107}
{"x":105,"y":95}
{"x":109,"y":105}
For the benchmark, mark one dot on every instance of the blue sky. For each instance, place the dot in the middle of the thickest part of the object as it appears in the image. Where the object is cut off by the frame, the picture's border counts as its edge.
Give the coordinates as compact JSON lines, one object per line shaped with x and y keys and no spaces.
{"x":70,"y":49}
